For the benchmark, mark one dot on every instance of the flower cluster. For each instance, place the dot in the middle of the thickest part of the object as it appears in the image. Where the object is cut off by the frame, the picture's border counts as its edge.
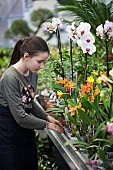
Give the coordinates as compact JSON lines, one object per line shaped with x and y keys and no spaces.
{"x":87,"y":107}
{"x":82,"y":36}
{"x":67,"y":86}
{"x":105,"y":30}
{"x":52,"y":26}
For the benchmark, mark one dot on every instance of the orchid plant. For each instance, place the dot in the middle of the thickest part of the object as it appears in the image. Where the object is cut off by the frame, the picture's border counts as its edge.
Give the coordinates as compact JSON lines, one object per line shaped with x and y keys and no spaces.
{"x":84,"y":39}
{"x":80,"y":35}
{"x":86,"y":107}
{"x":88,"y":117}
{"x":105,"y":32}
{"x":54,"y":27}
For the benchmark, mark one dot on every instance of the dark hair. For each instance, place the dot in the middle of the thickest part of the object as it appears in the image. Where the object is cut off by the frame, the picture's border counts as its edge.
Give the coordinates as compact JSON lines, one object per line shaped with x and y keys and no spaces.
{"x":31,"y":45}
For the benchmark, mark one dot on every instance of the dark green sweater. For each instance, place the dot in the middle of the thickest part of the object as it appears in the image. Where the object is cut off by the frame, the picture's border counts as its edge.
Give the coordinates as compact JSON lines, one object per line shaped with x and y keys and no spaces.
{"x":11,"y":91}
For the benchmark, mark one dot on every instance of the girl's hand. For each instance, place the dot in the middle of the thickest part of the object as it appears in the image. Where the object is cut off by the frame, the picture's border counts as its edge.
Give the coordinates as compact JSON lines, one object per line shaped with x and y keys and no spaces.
{"x":52,"y":120}
{"x":55,"y":124}
{"x":55,"y":127}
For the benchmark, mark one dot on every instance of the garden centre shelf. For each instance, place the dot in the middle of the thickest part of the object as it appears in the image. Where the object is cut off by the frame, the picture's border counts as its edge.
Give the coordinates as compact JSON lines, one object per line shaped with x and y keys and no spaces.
{"x":74,"y":159}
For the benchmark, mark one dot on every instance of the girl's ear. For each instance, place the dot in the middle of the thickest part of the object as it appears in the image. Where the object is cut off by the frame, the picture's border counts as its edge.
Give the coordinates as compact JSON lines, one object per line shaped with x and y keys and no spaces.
{"x":26,"y":55}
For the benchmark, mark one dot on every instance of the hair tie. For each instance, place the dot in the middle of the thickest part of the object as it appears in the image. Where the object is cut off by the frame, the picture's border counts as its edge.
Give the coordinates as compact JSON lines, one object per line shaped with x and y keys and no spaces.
{"x":23,"y":40}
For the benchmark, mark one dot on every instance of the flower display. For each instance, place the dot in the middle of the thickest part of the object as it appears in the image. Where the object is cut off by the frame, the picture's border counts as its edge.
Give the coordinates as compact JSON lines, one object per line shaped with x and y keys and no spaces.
{"x":52,"y":26}
{"x":105,"y":30}
{"x":83,"y":37}
{"x":86,"y":105}
{"x":88,"y":115}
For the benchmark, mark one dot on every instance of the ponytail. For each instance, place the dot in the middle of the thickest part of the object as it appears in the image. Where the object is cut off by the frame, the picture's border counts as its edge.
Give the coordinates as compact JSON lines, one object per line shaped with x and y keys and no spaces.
{"x":31,"y":45}
{"x":16,"y":52}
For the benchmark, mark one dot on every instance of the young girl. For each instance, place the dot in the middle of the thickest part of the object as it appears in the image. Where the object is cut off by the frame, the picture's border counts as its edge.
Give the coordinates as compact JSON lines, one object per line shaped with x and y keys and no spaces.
{"x":20,"y":114}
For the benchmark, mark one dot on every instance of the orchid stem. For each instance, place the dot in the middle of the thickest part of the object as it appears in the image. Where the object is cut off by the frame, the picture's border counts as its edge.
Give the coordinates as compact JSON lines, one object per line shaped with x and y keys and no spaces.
{"x":86,"y":62}
{"x":111,"y":101}
{"x":60,"y":52}
{"x":71,"y":57}
{"x":107,"y":58}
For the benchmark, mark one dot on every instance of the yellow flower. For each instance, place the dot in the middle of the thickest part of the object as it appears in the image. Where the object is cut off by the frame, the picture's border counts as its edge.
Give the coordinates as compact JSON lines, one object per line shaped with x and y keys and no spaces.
{"x":95,"y":72}
{"x":97,"y":91}
{"x":71,"y":84}
{"x":66,"y":85}
{"x":98,"y":81}
{"x":61,"y":81}
{"x":103,"y":73}
{"x":90,"y":79}
{"x":91,"y":98}
{"x":59,"y":94}
{"x":73,"y":110}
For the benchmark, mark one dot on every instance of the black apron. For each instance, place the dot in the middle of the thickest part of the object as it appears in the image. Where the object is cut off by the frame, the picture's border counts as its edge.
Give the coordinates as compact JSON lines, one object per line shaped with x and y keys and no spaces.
{"x":17,"y":144}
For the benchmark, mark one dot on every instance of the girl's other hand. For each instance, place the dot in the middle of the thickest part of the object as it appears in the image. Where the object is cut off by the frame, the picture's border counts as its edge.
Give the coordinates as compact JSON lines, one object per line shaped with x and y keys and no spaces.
{"x":54,"y":121}
{"x":55,"y":127}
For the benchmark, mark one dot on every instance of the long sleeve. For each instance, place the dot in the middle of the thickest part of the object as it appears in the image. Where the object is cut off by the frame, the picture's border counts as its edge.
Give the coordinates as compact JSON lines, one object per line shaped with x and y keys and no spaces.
{"x":38,"y":111}
{"x":13,"y":96}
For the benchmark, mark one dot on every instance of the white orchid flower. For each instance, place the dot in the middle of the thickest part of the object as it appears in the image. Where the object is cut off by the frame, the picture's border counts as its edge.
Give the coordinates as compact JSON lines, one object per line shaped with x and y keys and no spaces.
{"x":71,"y":28}
{"x":112,"y":50}
{"x":111,"y":72}
{"x":57,"y":22}
{"x":72,"y":31}
{"x":88,"y":48}
{"x":83,"y":28}
{"x":86,"y":39}
{"x":110,"y":35}
{"x":104,"y":79}
{"x":108,"y":26}
{"x":47,"y":26}
{"x":100,"y":31}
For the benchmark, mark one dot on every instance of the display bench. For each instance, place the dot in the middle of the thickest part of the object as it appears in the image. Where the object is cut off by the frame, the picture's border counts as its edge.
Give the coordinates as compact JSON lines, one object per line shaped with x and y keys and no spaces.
{"x":74,"y":159}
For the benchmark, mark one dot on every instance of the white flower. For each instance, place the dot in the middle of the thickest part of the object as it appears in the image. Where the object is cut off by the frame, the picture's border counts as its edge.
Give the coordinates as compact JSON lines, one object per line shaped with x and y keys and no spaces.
{"x":72,"y":31}
{"x":56,"y":22}
{"x":108,"y":26}
{"x":86,"y":39}
{"x":111,"y":72}
{"x":71,"y":28}
{"x":104,"y":79}
{"x":51,"y":27}
{"x":83,"y":28}
{"x":47,"y":26}
{"x":100,"y":31}
{"x":110,"y":35}
{"x":88,"y":48}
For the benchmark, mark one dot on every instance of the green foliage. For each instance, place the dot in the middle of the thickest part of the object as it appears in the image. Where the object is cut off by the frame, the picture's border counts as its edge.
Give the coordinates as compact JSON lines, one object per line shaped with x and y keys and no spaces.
{"x":5,"y":54}
{"x":40,"y":15}
{"x":46,"y":76}
{"x":93,"y":12}
{"x":43,"y":161}
{"x":18,"y":28}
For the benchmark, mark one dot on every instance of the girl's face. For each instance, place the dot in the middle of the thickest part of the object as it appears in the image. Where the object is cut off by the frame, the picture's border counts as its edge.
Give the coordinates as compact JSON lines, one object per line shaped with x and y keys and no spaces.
{"x":36,"y":62}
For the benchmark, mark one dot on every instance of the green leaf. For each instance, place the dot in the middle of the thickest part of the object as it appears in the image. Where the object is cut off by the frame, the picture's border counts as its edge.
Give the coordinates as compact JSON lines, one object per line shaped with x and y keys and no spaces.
{"x":101,"y":154}
{"x":54,"y":110}
{"x":71,"y":119}
{"x":71,"y":102}
{"x":76,"y":142}
{"x":98,"y":131}
{"x":78,"y":136}
{"x":104,"y":114}
{"x":85,"y":118}
{"x":97,"y":101}
{"x":104,"y":140}
{"x":58,"y":87}
{"x":87,"y":105}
